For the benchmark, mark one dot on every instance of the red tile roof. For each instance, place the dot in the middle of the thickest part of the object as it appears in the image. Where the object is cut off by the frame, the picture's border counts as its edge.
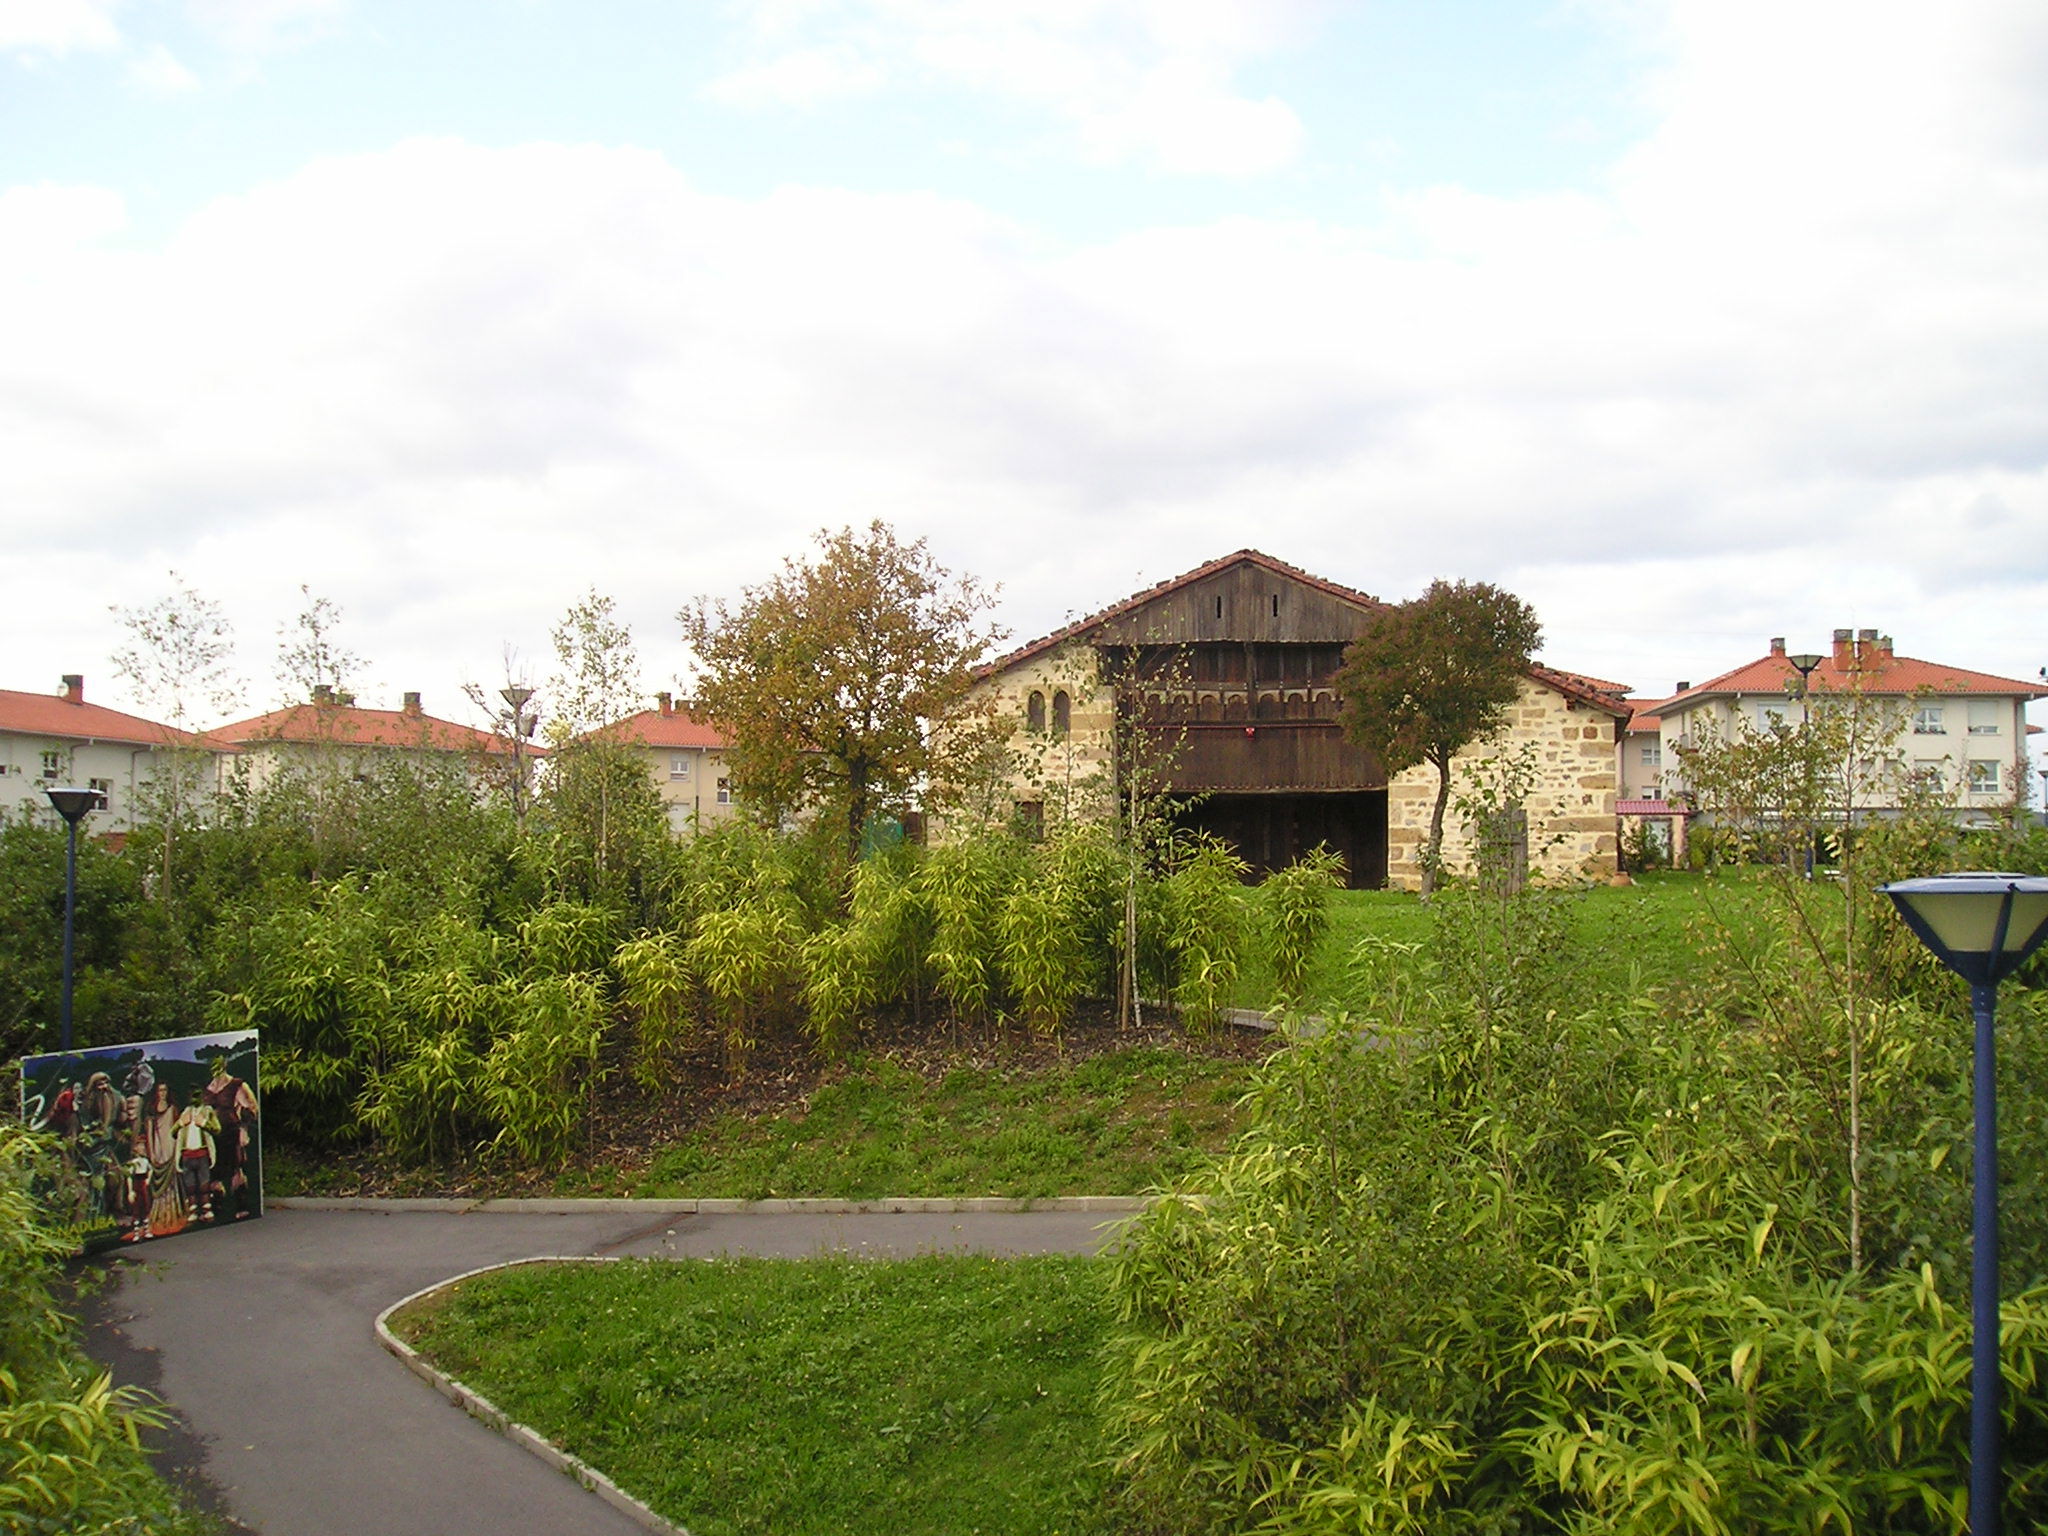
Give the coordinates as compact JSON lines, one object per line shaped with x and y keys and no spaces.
{"x":1644,"y":716}
{"x":352,"y":725}
{"x":1573,"y":685}
{"x":1883,"y":673}
{"x":53,"y":715}
{"x":1648,"y":808}
{"x":678,"y":728}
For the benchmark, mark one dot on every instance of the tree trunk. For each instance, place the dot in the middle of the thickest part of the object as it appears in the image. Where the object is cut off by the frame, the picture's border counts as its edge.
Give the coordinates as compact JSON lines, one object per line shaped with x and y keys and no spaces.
{"x":1433,"y":849}
{"x":856,"y":809}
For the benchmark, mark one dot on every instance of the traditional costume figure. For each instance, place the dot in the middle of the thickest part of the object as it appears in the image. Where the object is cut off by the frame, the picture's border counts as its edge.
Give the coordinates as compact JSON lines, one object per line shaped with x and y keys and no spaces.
{"x":158,"y":1135}
{"x":136,"y":1166}
{"x":197,"y":1128}
{"x":234,"y":1102}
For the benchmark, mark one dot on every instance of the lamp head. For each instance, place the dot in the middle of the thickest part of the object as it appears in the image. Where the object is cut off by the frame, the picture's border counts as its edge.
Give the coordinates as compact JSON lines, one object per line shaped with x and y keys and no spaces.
{"x":72,"y":802}
{"x":515,"y":696}
{"x":1981,"y":924}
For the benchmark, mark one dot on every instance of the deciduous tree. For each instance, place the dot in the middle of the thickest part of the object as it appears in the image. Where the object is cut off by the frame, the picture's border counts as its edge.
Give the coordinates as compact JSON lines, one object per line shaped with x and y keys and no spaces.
{"x":836,"y":681}
{"x":1430,"y":675}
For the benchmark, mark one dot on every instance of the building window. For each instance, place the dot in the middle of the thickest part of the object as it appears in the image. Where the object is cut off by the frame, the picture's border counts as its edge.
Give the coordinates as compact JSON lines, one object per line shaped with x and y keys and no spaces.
{"x":1984,"y":715}
{"x":1927,"y":721}
{"x":1062,"y":713}
{"x":1031,"y":820}
{"x":1927,"y":778}
{"x":1983,"y":776}
{"x":725,"y":791}
{"x":679,"y":766}
{"x":103,"y":787}
{"x":1769,"y":715}
{"x":1034,"y":711}
{"x":1653,"y":756}
{"x":53,"y":763}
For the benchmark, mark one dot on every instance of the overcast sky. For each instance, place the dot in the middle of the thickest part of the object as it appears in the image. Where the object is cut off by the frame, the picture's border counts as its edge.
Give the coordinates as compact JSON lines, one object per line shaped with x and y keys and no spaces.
{"x":1694,"y":322}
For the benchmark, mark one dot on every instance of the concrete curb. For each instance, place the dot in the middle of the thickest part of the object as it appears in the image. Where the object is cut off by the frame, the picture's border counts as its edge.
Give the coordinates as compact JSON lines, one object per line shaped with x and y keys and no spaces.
{"x":902,"y":1204}
{"x":482,"y":1409}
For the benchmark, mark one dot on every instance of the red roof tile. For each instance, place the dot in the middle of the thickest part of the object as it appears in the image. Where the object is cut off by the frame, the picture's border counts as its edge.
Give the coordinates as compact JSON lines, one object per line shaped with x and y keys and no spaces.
{"x":1644,"y":716}
{"x":1648,"y":808}
{"x":1886,"y":675}
{"x":53,"y":715}
{"x":352,"y":725}
{"x":676,"y":729}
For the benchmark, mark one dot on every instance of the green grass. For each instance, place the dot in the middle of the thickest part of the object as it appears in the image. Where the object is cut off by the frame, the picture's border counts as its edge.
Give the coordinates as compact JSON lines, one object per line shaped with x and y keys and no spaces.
{"x":1120,"y":1123}
{"x":1649,"y":933}
{"x":945,"y":1394}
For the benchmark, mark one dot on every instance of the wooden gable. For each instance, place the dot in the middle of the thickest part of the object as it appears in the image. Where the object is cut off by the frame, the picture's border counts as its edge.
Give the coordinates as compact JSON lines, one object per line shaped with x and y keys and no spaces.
{"x":1246,"y":602}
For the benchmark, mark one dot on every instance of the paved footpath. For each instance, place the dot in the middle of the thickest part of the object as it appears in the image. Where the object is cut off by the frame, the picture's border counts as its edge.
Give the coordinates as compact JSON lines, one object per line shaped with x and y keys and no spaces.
{"x":294,"y":1420}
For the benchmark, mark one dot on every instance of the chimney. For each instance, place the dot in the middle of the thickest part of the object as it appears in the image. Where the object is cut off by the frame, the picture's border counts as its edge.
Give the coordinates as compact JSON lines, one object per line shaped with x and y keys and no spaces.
{"x":346,"y":700}
{"x":1682,"y":686}
{"x":1884,"y":646}
{"x":1777,"y":645}
{"x":74,"y":687}
{"x":323,"y":693}
{"x":667,"y":703}
{"x":1845,"y":649}
{"x":1866,"y":644}
{"x":412,"y":703}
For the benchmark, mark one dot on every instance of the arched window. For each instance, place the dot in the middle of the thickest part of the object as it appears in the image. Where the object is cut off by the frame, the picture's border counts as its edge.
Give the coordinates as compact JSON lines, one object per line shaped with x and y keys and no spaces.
{"x":1034,"y":711}
{"x":1062,"y":713}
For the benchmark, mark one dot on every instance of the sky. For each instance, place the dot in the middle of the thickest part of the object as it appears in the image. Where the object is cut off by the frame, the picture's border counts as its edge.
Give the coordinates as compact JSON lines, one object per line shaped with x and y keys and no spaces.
{"x":1693,"y":322}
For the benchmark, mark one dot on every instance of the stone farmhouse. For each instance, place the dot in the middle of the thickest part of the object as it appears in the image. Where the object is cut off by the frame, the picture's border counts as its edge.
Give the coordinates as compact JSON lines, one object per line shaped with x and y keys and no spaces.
{"x":1960,"y":733}
{"x":1219,"y":685}
{"x":48,"y":739}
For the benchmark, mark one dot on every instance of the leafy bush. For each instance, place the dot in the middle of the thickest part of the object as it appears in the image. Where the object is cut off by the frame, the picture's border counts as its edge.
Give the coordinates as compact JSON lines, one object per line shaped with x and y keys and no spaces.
{"x":70,"y":1440}
{"x":1496,"y":1258}
{"x":1297,"y":911}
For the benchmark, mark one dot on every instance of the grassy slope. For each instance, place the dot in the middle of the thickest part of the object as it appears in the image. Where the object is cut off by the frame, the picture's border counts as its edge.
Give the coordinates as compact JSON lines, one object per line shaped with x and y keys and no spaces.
{"x":942,"y":1394}
{"x":1119,"y":1123}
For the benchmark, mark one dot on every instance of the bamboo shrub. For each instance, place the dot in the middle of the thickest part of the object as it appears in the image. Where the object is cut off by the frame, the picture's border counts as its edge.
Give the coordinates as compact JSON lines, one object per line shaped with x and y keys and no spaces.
{"x":1207,"y":930}
{"x":542,"y":1068}
{"x":744,"y":959}
{"x":566,"y":938}
{"x":655,"y":984}
{"x":1044,"y":951}
{"x":841,"y":983}
{"x":420,"y":1105}
{"x":964,"y":883}
{"x":1296,"y":904}
{"x":890,"y":907}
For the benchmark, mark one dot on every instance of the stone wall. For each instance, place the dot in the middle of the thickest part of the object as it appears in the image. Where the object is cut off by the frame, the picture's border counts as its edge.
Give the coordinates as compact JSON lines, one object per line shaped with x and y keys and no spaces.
{"x":1064,"y":773}
{"x":1570,"y":808}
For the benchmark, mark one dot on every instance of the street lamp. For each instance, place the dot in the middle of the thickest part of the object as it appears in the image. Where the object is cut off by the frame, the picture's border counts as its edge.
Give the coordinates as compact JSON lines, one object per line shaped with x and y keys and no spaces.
{"x":72,"y":804}
{"x":1982,"y":926}
{"x":515,"y":697}
{"x":1803,"y":664}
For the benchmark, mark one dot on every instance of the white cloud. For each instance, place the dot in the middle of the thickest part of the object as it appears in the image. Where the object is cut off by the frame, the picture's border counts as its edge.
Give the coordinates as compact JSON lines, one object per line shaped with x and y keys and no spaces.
{"x":796,"y":80}
{"x":57,"y":27}
{"x":158,"y":72}
{"x":1145,"y":82}
{"x":264,"y":26}
{"x":1792,"y":385}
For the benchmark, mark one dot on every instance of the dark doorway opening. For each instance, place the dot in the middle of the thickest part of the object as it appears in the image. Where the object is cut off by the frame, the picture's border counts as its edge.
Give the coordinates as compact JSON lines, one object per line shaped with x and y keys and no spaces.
{"x":1271,"y":831}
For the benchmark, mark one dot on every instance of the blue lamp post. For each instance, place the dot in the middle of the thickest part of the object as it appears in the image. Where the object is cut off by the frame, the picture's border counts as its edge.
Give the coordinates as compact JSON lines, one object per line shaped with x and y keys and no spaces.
{"x":1982,"y":926}
{"x":71,"y":804}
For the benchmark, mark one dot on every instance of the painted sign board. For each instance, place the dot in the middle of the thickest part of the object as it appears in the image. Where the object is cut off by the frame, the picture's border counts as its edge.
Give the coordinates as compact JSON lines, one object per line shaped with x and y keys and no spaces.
{"x":153,"y":1139}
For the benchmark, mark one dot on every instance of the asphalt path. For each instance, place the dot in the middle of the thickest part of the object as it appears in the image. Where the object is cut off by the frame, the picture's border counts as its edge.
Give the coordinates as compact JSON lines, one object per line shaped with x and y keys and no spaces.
{"x":294,"y":1421}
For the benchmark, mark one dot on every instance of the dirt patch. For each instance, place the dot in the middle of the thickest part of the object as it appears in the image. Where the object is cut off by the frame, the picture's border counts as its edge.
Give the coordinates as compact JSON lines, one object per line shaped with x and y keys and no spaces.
{"x":629,"y":1126}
